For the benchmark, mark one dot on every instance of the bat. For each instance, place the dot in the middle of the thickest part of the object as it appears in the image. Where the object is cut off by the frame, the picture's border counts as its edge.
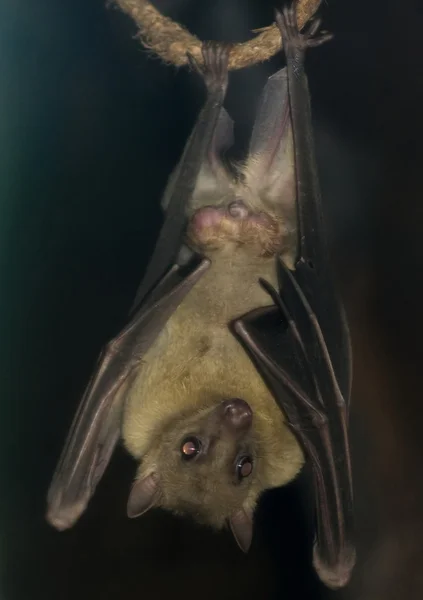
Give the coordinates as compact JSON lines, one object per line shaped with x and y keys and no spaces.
{"x":235,"y":365}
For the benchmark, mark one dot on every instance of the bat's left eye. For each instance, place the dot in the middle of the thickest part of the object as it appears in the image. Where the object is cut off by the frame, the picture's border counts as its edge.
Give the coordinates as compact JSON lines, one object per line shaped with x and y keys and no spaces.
{"x":190,"y":448}
{"x":244,"y":467}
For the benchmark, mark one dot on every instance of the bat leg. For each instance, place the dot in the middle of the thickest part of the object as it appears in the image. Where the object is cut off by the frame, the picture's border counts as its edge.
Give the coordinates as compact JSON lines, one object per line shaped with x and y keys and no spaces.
{"x":184,"y":180}
{"x":311,"y":234}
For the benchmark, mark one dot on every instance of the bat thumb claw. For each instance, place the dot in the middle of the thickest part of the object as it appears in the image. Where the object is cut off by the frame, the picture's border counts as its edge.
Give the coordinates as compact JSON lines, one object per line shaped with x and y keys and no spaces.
{"x":62,"y":516}
{"x":337,"y":574}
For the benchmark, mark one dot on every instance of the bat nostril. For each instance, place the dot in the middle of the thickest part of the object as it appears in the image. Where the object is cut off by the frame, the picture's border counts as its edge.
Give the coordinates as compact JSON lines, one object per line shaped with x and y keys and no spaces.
{"x":238,"y":210}
{"x":238,"y":413}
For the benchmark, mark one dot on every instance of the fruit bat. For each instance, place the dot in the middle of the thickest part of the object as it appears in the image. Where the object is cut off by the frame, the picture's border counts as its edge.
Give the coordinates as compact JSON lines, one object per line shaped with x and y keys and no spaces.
{"x":234,"y":366}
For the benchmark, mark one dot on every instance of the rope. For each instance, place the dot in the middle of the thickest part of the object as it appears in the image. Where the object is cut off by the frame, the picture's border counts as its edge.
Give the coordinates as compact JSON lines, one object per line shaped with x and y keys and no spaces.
{"x":171,"y":41}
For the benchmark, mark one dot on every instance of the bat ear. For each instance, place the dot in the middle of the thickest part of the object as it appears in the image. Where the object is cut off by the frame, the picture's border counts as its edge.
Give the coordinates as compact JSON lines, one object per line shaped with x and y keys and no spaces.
{"x":241,"y":524}
{"x":143,"y":495}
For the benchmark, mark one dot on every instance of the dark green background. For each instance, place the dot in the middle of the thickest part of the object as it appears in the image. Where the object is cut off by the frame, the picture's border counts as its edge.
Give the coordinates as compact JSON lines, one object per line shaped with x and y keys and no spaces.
{"x":90,"y":129}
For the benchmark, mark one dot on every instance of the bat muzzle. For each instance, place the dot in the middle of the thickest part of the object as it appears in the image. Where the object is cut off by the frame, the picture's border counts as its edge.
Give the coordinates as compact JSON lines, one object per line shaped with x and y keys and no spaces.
{"x":237,"y":414}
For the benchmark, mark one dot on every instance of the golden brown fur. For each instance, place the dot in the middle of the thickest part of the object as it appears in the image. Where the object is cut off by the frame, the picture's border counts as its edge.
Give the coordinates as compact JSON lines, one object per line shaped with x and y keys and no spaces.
{"x":195,"y":364}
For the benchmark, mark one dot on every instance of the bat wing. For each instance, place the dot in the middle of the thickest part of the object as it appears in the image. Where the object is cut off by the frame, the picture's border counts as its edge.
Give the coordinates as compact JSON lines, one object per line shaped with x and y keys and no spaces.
{"x":301,"y":344}
{"x":199,"y":167}
{"x":96,"y":427}
{"x":292,"y":356}
{"x":270,"y":169}
{"x":270,"y":154}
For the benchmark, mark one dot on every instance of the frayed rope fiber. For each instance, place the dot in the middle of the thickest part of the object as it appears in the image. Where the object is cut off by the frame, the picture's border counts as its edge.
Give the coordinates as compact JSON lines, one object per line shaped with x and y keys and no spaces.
{"x":170,"y":41}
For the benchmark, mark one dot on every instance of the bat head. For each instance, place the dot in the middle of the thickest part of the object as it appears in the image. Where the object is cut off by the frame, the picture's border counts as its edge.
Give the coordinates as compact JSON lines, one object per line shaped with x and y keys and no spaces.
{"x":203,"y":465}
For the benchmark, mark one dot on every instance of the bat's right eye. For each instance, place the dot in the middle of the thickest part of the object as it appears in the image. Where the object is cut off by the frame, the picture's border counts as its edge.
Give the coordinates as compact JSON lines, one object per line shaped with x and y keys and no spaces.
{"x":190,"y":448}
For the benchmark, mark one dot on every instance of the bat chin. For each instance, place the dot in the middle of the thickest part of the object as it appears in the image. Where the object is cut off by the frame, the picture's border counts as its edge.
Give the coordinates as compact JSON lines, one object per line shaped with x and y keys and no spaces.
{"x":214,"y":227}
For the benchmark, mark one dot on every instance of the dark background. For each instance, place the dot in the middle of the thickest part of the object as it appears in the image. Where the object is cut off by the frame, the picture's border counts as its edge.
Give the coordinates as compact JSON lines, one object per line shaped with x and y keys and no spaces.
{"x":90,"y":129}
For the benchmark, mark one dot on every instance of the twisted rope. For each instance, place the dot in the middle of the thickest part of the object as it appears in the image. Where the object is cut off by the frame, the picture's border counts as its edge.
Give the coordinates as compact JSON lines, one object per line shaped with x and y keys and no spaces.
{"x":171,"y":41}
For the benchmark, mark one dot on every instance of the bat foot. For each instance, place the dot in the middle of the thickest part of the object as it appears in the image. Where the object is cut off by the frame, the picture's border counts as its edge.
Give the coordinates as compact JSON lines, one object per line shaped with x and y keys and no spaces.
{"x":214,"y":69}
{"x":293,"y":41}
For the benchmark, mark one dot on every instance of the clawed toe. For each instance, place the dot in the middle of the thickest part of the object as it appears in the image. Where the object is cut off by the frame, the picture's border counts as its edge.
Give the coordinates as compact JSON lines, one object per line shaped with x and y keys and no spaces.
{"x":286,"y":20}
{"x":214,"y":70}
{"x":193,"y":63}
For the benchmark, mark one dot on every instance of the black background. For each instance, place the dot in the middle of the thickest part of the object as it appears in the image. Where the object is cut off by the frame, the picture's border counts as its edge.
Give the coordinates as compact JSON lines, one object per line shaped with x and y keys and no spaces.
{"x":90,"y":129}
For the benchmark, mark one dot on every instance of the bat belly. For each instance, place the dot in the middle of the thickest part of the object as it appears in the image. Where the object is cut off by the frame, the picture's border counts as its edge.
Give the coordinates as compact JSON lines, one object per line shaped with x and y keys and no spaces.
{"x":197,"y":362}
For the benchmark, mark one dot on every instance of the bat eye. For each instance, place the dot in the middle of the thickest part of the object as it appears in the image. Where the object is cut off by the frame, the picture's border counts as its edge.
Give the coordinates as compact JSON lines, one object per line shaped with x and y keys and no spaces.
{"x":244,"y":467}
{"x":190,"y":448}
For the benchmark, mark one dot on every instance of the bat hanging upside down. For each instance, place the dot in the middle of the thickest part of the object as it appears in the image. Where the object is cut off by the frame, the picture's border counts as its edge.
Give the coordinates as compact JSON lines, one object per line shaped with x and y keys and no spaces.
{"x":235,"y":364}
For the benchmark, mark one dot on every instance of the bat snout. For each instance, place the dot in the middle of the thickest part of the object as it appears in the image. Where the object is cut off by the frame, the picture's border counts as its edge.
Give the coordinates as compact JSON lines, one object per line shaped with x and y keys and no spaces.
{"x":237,"y":414}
